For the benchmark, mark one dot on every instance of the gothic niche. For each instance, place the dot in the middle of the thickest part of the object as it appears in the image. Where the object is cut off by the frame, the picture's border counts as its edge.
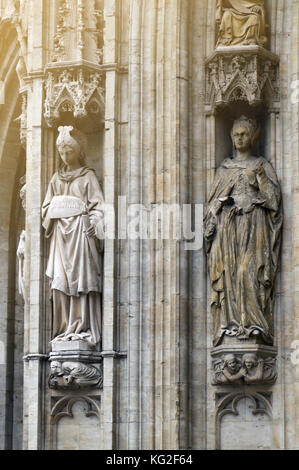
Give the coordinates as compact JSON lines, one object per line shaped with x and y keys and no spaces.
{"x":239,"y":411}
{"x":243,"y":222}
{"x":72,"y":217}
{"x":22,"y":244}
{"x":74,"y":83}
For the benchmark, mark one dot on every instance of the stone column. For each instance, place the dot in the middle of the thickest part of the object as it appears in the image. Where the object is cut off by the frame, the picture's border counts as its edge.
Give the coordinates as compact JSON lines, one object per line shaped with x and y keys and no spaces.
{"x":35,"y":181}
{"x":294,"y":227}
{"x":198,"y":276}
{"x":110,"y":355}
{"x":133,"y":338}
{"x":158,"y":328}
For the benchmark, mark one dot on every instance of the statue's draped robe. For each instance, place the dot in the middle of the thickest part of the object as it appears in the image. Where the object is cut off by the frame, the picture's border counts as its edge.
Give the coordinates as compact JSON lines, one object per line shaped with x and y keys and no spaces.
{"x":74,"y":264}
{"x":239,"y":24}
{"x":243,"y":243}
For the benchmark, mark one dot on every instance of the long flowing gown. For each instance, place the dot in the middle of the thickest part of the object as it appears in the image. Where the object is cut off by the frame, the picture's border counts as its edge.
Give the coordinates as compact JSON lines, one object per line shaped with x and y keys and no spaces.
{"x":74,"y":265}
{"x":239,"y":23}
{"x":243,"y":241}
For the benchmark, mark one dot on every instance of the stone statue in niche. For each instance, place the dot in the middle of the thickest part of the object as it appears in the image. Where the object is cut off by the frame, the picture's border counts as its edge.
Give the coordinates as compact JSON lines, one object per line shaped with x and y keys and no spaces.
{"x":243,"y":223}
{"x":72,"y":217}
{"x":74,"y":376}
{"x":250,"y":369}
{"x":241,"y":22}
{"x":21,"y":245}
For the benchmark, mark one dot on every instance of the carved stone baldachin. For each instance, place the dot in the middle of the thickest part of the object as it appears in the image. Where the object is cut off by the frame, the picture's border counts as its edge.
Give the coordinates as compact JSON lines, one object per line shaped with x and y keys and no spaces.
{"x":77,"y":89}
{"x":242,"y":73}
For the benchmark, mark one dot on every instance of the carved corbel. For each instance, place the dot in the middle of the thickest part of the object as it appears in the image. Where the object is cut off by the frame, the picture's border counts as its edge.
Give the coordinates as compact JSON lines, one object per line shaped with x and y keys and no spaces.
{"x":249,"y":368}
{"x":245,"y":73}
{"x":73,"y":375}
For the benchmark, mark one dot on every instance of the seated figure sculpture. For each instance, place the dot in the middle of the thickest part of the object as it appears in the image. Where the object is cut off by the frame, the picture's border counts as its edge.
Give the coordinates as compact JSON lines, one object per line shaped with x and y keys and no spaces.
{"x":241,"y":22}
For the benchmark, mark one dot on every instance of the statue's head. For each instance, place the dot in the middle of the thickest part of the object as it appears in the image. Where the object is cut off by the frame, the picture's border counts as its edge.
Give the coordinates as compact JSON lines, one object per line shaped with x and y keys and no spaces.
{"x":249,"y":361}
{"x":71,"y":144}
{"x":245,"y":133}
{"x":231,"y":363}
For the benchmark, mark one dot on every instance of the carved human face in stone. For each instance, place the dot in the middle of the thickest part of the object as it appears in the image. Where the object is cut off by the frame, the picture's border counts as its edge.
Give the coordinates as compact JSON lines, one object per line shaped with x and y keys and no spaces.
{"x":242,"y":138}
{"x":232,"y":364}
{"x":250,"y":362}
{"x":70,"y":155}
{"x":56,"y":367}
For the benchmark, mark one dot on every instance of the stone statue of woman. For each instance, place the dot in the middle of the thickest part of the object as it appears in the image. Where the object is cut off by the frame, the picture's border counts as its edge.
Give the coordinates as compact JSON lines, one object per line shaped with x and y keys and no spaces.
{"x":243,"y":235}
{"x":72,"y":217}
{"x":241,"y":22}
{"x":22,"y":244}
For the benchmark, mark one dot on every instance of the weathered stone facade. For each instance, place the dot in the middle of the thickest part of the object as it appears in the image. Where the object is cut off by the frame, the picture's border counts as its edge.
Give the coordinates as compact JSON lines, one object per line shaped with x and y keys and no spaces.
{"x":146,"y":83}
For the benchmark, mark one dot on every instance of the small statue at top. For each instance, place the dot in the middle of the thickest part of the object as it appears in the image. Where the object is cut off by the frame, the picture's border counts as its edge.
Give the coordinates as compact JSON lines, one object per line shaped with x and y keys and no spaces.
{"x":241,"y":22}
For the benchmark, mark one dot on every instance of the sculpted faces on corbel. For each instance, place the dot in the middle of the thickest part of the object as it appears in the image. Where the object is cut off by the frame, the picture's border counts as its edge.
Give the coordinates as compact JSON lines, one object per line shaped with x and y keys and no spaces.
{"x":74,"y":376}
{"x":248,"y":369}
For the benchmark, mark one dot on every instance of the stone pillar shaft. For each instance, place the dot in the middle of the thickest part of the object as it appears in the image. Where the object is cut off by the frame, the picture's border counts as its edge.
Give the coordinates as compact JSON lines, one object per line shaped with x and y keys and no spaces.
{"x":35,"y":180}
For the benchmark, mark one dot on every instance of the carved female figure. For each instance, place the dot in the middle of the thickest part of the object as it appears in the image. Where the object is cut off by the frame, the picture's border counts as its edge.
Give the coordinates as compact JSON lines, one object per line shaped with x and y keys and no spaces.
{"x":243,"y":231}
{"x":241,"y":22}
{"x":72,"y":216}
